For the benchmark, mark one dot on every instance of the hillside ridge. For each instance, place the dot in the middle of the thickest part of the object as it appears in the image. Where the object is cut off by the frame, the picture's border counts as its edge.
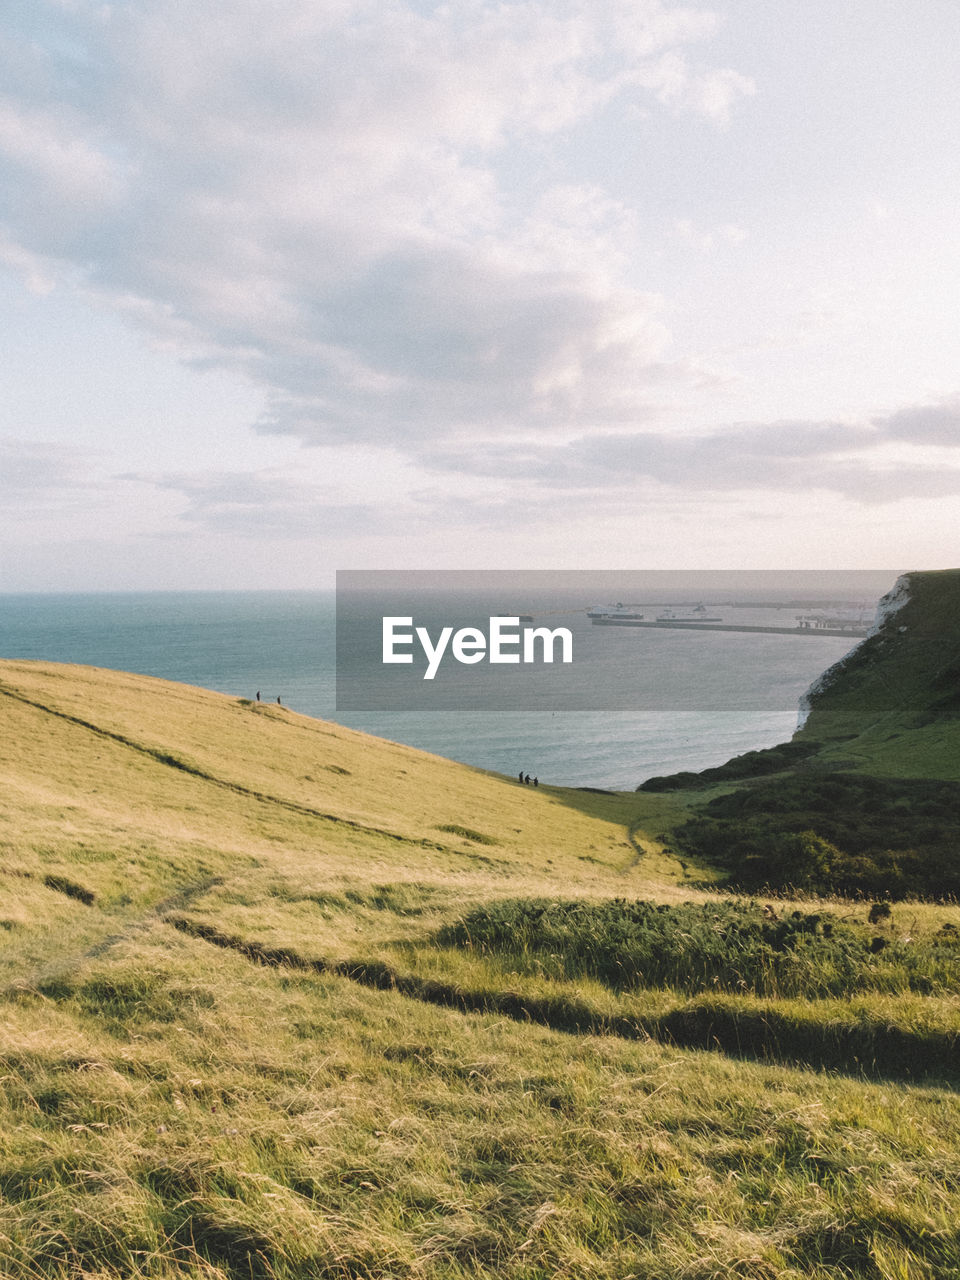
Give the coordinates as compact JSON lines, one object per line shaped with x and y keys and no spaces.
{"x":892,"y":704}
{"x":282,"y":1001}
{"x":890,"y":707}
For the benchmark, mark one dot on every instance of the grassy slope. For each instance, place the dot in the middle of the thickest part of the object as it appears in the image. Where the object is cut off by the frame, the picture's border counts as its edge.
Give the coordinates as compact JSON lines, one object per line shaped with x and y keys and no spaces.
{"x":873,"y":772}
{"x":891,"y":708}
{"x":174,"y":1108}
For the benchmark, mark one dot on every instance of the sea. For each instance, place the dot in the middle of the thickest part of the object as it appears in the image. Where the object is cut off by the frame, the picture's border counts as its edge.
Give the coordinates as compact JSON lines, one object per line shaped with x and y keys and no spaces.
{"x":741,"y":689}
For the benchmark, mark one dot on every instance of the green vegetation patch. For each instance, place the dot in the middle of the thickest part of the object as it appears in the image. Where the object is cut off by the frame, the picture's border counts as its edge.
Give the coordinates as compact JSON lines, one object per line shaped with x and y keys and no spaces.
{"x":467,"y":833}
{"x":62,"y":884}
{"x":836,"y":833}
{"x":400,"y":898}
{"x":120,"y":997}
{"x":722,"y":946}
{"x":752,"y":764}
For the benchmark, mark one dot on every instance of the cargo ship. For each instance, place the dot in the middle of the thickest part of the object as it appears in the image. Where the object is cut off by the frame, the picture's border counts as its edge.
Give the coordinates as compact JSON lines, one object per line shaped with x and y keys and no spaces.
{"x":615,"y":613}
{"x":698,"y":614}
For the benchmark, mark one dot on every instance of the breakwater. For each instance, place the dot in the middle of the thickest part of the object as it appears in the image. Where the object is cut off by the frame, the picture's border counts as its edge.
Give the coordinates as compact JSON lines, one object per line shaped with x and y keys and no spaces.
{"x":854,"y":633}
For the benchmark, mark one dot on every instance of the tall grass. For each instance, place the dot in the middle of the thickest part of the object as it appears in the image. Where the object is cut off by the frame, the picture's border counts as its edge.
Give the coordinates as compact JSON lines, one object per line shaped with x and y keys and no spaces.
{"x":727,"y":946}
{"x":327,"y":1094}
{"x":289,"y":1125}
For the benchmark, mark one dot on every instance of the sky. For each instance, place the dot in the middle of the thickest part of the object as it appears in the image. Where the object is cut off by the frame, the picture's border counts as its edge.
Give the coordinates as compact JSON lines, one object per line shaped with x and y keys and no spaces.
{"x":292,"y":286}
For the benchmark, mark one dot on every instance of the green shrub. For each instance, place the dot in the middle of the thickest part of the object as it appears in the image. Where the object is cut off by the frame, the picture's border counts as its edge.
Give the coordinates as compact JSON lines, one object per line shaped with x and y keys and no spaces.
{"x":466,"y":833}
{"x":723,"y":946}
{"x":835,"y":833}
{"x":752,"y":764}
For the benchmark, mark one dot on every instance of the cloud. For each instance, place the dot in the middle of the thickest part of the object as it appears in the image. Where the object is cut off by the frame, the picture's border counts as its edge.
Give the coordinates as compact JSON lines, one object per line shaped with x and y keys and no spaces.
{"x":729,"y":234}
{"x":427,"y":342}
{"x":931,"y":424}
{"x":330,"y":199}
{"x":39,"y":276}
{"x":710,"y":93}
{"x":853,"y":460}
{"x":39,"y":474}
{"x":55,"y":158}
{"x":716,"y":92}
{"x":265,"y":505}
{"x":272,"y":506}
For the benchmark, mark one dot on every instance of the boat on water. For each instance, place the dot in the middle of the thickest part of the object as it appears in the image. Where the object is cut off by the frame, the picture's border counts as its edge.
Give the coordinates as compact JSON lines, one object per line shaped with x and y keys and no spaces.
{"x":698,"y":614}
{"x":615,"y":612}
{"x":855,"y":624}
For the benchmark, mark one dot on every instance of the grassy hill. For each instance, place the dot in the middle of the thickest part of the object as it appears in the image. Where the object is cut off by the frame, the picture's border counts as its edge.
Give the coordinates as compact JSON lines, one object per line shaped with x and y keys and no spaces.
{"x":864,"y":799}
{"x":282,"y":1000}
{"x":891,"y":707}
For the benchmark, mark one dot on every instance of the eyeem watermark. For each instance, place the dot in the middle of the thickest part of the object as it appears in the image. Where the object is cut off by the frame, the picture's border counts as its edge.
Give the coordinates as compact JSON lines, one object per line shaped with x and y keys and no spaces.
{"x":504,"y":643}
{"x":545,"y":642}
{"x":458,"y":641}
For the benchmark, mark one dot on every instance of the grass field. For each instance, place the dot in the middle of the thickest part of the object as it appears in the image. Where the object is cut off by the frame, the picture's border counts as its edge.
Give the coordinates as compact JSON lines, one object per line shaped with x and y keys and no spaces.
{"x":282,"y":1000}
{"x":891,"y":707}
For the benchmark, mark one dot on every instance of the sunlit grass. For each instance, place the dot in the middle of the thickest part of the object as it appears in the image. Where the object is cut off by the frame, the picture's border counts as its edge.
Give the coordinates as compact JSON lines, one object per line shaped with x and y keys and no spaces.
{"x":328,"y":1084}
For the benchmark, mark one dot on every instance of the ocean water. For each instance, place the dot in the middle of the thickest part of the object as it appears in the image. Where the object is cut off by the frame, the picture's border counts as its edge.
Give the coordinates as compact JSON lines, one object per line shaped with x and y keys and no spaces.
{"x":720,"y":693}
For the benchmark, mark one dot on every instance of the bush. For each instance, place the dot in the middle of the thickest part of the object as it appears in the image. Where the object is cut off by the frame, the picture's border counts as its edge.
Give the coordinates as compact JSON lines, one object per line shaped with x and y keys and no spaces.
{"x":836,"y":833}
{"x":724,"y":946}
{"x":752,"y":764}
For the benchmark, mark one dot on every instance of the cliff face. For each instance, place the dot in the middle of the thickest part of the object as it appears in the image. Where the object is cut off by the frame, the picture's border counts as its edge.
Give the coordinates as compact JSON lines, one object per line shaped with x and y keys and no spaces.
{"x":892,"y":705}
{"x":831,"y":681}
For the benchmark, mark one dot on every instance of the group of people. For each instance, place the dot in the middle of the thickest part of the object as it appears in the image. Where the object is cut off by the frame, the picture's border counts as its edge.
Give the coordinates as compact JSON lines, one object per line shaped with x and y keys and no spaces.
{"x":526,"y":779}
